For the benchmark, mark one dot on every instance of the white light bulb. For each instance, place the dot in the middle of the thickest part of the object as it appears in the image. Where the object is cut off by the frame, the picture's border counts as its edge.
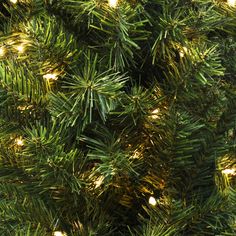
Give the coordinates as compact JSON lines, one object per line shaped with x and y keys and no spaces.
{"x":232,"y":3}
{"x":20,"y":48}
{"x":58,"y":233}
{"x":229,"y":172}
{"x":136,"y":155}
{"x":99,"y":181}
{"x":50,"y":76}
{"x":183,"y":52}
{"x":23,"y":108}
{"x":154,"y":113}
{"x":152,"y":201}
{"x":19,"y":142}
{"x":2,"y":51}
{"x":13,"y":1}
{"x":113,"y":3}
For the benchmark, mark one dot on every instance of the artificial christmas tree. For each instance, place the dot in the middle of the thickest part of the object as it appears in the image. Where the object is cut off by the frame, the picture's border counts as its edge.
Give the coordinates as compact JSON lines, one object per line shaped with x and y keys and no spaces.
{"x":117,"y":117}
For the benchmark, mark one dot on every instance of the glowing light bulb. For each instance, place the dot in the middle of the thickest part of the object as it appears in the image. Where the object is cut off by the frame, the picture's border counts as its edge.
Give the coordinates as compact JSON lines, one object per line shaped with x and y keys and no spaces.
{"x":154,"y":113}
{"x":59,"y":233}
{"x":99,"y":181}
{"x":229,"y":172}
{"x":19,"y":142}
{"x":152,"y":201}
{"x":136,"y":155}
{"x":113,"y":3}
{"x":13,"y":1}
{"x":20,"y":48}
{"x":50,"y":76}
{"x":23,"y":108}
{"x":183,"y":52}
{"x":231,"y":3}
{"x":2,"y":51}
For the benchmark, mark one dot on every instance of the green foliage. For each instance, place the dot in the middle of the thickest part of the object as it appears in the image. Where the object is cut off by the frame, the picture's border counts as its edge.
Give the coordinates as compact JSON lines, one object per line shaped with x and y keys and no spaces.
{"x":87,"y":93}
{"x":103,"y":107}
{"x":106,"y":153}
{"x":116,"y":32}
{"x":137,"y":104}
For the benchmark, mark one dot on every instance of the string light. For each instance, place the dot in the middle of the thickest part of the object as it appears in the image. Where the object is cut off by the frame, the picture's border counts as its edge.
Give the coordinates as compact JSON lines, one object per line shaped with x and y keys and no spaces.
{"x":229,"y":172}
{"x":136,"y":155}
{"x":20,"y":48}
{"x":59,"y":233}
{"x":152,"y":201}
{"x":23,"y":108}
{"x":183,"y":52}
{"x":99,"y":181}
{"x":13,"y":1}
{"x":2,"y":51}
{"x":154,"y":113}
{"x":113,"y":3}
{"x":19,"y":141}
{"x":231,"y":3}
{"x":50,"y":76}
